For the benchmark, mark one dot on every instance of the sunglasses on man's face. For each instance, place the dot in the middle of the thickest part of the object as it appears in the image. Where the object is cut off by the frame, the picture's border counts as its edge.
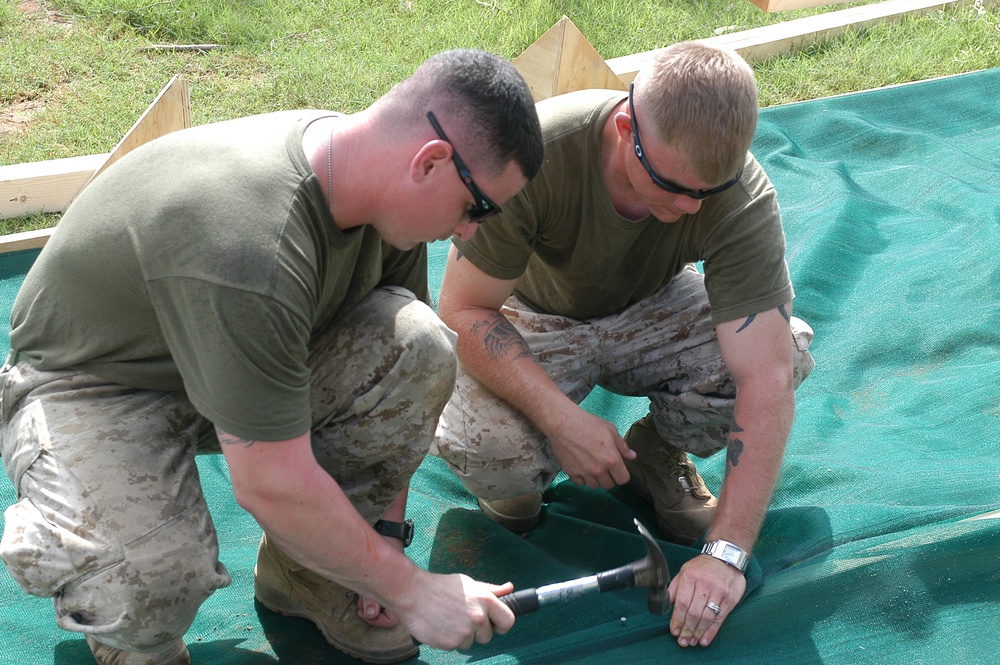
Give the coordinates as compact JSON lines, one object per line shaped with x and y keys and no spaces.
{"x":484,"y":207}
{"x":659,"y":180}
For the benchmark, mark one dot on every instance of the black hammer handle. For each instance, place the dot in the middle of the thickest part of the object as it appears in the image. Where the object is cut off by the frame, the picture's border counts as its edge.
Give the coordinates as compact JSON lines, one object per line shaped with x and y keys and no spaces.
{"x":529,"y":600}
{"x":522,"y":602}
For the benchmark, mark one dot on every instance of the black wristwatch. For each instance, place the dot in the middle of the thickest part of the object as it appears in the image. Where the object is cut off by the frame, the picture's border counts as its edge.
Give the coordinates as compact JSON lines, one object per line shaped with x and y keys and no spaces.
{"x":401,"y":530}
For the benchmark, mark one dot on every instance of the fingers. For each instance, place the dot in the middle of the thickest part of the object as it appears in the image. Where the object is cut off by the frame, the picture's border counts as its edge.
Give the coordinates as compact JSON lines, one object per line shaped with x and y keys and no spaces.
{"x":624,"y":450}
{"x":375,"y":614}
{"x":501,"y":617}
{"x":703,"y":594}
{"x":607,"y":468}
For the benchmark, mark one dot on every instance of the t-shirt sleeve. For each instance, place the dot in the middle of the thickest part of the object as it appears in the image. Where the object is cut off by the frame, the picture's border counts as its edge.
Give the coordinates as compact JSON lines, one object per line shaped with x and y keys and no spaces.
{"x":503,"y":244}
{"x":242,"y":357}
{"x":745,"y":268}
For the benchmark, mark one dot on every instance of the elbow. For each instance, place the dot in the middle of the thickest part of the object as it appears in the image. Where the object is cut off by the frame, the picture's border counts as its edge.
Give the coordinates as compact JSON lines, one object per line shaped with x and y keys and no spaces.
{"x":254,"y":499}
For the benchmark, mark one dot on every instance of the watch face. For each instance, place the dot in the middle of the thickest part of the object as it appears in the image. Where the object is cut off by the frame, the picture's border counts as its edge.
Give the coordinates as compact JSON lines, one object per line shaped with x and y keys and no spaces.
{"x":731,"y":552}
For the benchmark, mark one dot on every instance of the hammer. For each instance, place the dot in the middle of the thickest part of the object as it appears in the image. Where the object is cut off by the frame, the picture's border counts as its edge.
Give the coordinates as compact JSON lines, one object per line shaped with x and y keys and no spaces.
{"x":650,"y":571}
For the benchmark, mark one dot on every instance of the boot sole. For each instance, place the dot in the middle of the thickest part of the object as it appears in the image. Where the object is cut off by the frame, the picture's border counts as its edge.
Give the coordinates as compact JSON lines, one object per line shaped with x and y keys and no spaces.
{"x":279,"y":603}
{"x":517,"y":524}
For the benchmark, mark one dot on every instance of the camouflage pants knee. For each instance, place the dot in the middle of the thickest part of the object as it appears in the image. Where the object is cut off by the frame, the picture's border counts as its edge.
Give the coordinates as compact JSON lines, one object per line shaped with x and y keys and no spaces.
{"x":663,"y":347}
{"x":111,"y":522}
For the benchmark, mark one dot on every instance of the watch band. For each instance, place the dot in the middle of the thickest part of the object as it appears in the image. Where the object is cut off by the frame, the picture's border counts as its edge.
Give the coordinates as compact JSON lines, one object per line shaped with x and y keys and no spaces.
{"x":401,"y":530}
{"x":727,"y":552}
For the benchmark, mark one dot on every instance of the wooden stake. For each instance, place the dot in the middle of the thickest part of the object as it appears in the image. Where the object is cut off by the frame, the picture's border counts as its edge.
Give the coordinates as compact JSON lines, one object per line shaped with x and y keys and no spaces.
{"x":169,"y":112}
{"x":562,"y":60}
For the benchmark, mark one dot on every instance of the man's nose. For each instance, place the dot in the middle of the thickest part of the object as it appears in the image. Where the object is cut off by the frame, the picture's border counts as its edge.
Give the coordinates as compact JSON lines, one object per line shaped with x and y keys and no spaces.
{"x":687,"y":204}
{"x":466,"y":230}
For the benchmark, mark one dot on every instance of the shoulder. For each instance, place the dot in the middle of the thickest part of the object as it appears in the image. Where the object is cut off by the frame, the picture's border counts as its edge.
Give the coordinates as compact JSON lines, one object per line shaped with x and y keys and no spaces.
{"x":576,"y":111}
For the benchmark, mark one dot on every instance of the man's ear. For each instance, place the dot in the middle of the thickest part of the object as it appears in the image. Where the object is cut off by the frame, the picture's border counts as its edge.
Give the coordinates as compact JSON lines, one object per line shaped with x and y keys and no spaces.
{"x":623,"y":124}
{"x":432,"y":157}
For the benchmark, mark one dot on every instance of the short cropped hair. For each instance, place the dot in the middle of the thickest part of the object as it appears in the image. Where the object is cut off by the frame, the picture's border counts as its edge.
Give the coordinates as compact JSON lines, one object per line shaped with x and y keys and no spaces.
{"x":482,"y":103}
{"x":702,"y":100}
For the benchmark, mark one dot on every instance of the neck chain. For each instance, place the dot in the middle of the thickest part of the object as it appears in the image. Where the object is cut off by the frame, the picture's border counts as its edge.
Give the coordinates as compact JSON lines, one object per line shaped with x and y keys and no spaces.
{"x":329,"y":169}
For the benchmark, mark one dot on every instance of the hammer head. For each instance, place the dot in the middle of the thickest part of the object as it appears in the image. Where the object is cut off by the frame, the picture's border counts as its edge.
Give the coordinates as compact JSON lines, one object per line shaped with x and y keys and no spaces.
{"x":652,"y":572}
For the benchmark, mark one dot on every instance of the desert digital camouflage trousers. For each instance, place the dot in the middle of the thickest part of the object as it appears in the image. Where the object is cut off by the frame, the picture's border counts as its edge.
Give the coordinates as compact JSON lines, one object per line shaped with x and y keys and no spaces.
{"x":664,"y":348}
{"x":110,"y":520}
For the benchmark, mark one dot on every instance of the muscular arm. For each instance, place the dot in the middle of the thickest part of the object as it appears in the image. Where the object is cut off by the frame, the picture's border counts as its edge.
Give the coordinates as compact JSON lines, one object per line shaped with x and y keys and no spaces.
{"x":758,"y":354}
{"x":492,"y":350}
{"x":310,"y":518}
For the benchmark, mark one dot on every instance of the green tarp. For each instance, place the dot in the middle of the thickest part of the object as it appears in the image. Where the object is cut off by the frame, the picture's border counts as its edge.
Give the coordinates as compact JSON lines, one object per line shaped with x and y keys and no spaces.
{"x":883,"y":541}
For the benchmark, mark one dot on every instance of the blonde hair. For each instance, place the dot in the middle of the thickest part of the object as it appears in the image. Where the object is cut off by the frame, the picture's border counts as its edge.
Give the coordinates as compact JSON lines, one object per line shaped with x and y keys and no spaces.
{"x":701,"y":100}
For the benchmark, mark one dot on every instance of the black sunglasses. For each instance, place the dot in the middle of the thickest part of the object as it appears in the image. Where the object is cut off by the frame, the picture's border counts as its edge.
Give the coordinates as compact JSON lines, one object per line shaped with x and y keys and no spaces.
{"x":484,"y":208}
{"x":662,"y":182}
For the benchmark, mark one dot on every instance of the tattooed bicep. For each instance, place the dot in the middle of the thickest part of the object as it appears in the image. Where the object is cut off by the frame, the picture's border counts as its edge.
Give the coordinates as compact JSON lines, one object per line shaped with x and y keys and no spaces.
{"x":750,"y":319}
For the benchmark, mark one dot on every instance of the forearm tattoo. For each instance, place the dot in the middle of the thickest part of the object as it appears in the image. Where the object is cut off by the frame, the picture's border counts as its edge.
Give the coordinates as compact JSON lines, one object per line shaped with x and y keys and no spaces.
{"x":500,"y":337}
{"x":734,"y":449}
{"x":227,"y":439}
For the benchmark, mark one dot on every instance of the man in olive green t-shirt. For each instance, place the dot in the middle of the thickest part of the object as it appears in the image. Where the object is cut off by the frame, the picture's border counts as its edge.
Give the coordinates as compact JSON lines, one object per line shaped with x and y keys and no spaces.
{"x":588,"y":279}
{"x":259,"y":283}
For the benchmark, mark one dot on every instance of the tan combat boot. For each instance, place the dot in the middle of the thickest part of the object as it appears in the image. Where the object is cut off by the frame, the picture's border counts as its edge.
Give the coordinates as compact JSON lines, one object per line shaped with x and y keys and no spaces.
{"x":664,"y":476}
{"x":175,"y":654}
{"x":518,"y":514}
{"x":285,"y":587}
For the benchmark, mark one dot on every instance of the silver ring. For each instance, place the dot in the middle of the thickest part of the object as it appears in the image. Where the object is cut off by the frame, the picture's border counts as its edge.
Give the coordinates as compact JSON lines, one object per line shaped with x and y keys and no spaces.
{"x":715,"y":608}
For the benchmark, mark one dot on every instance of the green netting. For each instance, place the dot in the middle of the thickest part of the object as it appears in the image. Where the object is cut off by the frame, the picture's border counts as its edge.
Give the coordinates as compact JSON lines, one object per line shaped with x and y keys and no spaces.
{"x":880,"y":545}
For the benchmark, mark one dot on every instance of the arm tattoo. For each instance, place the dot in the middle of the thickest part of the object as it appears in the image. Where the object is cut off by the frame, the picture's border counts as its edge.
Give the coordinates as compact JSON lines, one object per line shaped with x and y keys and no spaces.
{"x":227,"y":439}
{"x":735,"y":448}
{"x":781,"y":310}
{"x":500,"y":337}
{"x":746,"y":323}
{"x":458,"y":255}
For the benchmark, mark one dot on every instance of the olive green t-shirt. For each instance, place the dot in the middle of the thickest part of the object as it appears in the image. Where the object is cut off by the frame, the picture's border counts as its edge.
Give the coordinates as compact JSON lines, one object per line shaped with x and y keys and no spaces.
{"x":575,"y":256}
{"x":206,"y":261}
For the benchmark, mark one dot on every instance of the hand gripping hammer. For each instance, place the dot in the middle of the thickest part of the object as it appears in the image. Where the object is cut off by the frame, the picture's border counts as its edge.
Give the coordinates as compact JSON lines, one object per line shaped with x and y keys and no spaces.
{"x":650,"y":571}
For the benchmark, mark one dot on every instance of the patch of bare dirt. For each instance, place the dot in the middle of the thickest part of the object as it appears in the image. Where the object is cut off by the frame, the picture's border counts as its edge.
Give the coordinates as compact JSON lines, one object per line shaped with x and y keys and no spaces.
{"x":15,"y":117}
{"x":38,"y":9}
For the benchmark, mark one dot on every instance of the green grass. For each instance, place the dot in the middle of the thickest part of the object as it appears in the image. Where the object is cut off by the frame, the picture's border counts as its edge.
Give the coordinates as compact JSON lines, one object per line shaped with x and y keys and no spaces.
{"x":76,"y":73}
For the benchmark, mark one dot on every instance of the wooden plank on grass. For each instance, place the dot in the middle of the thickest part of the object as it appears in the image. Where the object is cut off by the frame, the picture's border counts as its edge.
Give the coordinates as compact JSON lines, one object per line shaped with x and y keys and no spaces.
{"x":15,"y":242}
{"x":561,"y":61}
{"x":46,"y":186}
{"x":783,"y":5}
{"x":52,"y":185}
{"x":772,"y":40}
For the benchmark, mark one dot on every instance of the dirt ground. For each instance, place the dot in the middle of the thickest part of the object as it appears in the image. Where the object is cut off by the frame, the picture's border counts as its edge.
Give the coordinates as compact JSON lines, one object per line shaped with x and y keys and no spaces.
{"x":17,"y":115}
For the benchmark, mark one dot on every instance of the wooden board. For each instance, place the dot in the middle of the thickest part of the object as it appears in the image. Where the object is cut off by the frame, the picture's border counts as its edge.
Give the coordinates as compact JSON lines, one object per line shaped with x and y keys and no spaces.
{"x":170,"y":111}
{"x":52,"y":185}
{"x":562,"y":60}
{"x":762,"y":43}
{"x":47,"y":186}
{"x":783,"y":5}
